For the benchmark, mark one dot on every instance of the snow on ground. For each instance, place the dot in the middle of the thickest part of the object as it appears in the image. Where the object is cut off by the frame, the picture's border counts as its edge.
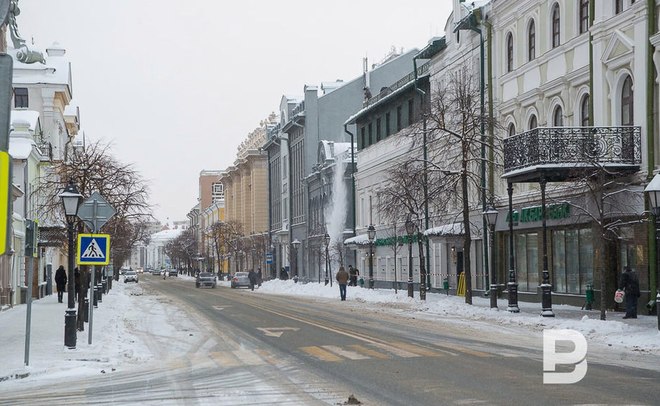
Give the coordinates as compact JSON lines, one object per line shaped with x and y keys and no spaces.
{"x":124,"y":321}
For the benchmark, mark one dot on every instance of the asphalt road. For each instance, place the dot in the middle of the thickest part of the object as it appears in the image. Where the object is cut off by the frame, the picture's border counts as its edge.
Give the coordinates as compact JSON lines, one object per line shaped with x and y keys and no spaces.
{"x":239,"y":347}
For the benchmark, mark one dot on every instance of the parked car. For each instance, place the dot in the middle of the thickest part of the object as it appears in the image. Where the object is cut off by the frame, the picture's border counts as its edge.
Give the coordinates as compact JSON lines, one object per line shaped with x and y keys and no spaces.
{"x":155,"y":271}
{"x":205,"y":279}
{"x":174,"y":272}
{"x":130,"y":276}
{"x":240,"y":280}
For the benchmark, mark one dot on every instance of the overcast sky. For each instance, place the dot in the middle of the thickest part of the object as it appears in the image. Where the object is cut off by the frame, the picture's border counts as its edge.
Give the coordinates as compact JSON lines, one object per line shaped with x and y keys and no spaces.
{"x":175,"y":86}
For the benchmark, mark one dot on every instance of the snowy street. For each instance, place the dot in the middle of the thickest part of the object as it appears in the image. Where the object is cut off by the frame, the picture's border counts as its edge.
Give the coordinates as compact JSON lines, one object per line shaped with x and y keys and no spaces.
{"x":290,"y":343}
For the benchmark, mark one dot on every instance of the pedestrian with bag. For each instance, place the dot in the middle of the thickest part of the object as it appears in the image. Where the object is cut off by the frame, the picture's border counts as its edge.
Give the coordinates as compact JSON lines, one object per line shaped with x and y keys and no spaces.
{"x":342,"y":278}
{"x":60,"y":281}
{"x":630,"y":285}
{"x":252,"y":277}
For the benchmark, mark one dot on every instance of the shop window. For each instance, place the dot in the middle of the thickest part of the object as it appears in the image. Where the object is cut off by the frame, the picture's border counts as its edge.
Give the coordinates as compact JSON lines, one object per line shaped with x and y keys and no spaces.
{"x":527,"y":261}
{"x":572,"y":263}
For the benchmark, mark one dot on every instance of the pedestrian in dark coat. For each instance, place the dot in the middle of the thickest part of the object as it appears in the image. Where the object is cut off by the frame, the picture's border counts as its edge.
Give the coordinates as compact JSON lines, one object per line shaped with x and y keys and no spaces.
{"x":342,"y":277}
{"x":353,"y":273}
{"x":252,"y":276}
{"x":630,"y":285}
{"x":60,"y":281}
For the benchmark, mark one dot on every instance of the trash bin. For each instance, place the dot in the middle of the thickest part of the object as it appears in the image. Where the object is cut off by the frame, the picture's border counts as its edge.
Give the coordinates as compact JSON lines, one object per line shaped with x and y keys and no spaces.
{"x":589,"y":299}
{"x":445,"y":285}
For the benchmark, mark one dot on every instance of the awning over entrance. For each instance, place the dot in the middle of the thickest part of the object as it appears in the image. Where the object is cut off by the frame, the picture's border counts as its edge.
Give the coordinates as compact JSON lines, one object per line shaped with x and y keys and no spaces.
{"x":362,"y":239}
{"x":453,"y":229}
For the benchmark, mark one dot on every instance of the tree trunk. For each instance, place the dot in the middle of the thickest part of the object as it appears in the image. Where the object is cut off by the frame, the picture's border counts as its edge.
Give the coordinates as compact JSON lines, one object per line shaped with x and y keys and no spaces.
{"x":467,"y":242}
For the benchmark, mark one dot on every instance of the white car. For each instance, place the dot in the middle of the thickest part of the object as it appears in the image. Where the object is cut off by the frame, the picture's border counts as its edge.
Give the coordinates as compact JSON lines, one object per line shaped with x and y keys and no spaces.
{"x":130,"y":276}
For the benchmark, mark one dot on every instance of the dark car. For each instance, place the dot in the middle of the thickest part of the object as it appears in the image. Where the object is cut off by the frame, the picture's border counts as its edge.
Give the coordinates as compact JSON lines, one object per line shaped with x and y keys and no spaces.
{"x":174,"y":272}
{"x":240,"y":280}
{"x":205,"y":279}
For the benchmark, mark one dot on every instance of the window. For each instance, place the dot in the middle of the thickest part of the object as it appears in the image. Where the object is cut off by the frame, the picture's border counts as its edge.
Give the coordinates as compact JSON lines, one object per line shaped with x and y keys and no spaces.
{"x":555,"y":26}
{"x":627,"y":102}
{"x":531,"y":41}
{"x":584,"y":111}
{"x":363,"y":137}
{"x":20,"y":97}
{"x":512,"y":130}
{"x":533,"y":123}
{"x":411,"y":111}
{"x":371,"y":133}
{"x":557,"y":117}
{"x":618,"y":6}
{"x":388,"y":129}
{"x":509,"y":52}
{"x":399,"y":123}
{"x":378,"y":129}
{"x":584,"y":16}
{"x":218,"y":192}
{"x":574,"y":275}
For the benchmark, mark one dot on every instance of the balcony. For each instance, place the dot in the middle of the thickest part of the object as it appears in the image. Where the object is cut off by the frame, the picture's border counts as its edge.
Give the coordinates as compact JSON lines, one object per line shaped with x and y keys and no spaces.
{"x":564,"y":153}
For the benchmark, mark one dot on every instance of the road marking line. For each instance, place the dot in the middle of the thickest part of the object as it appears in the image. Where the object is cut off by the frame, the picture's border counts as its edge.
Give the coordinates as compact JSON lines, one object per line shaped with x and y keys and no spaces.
{"x":369,"y":352}
{"x":396,"y":351}
{"x":225,"y":359}
{"x":344,"y":353}
{"x":321,"y":354}
{"x":248,"y":357}
{"x":415,"y":349}
{"x":465,"y":350}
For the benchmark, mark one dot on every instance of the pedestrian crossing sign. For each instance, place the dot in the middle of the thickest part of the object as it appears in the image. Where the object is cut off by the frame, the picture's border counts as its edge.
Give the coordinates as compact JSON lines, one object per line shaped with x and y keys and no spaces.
{"x":93,"y":249}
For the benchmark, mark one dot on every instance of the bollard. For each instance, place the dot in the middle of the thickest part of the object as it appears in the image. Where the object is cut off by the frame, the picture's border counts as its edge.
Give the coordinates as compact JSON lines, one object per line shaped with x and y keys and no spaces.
{"x":86,"y":310}
{"x":95,"y":297}
{"x":104,"y":284}
{"x":589,"y":300}
{"x":445,"y":285}
{"x":99,"y":290}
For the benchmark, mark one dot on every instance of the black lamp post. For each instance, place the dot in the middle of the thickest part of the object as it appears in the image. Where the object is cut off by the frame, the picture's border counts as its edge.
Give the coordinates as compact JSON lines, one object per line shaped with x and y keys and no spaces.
{"x":653,"y":192}
{"x":512,"y":285}
{"x":410,"y":230}
{"x":295,"y":244}
{"x":326,"y":238}
{"x":70,"y":200}
{"x":491,"y":218}
{"x":371,"y":233}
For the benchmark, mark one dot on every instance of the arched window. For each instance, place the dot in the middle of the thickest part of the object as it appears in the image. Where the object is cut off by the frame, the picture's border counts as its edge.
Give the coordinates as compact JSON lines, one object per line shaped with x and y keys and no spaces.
{"x":531,"y":41}
{"x":584,"y":16}
{"x":557,"y":117}
{"x":512,"y":130}
{"x":555,"y":26}
{"x":509,"y":52}
{"x":584,"y":111}
{"x":532,"y":122}
{"x":627,"y":102}
{"x":618,"y":6}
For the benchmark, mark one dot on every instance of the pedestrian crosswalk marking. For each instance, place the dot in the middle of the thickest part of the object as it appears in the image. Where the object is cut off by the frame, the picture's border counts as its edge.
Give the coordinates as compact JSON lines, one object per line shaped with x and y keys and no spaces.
{"x":415,"y":349}
{"x":396,"y":351}
{"x":248,"y":357}
{"x":320,"y":353}
{"x":93,"y":251}
{"x":225,"y":359}
{"x":368,"y":351}
{"x":469,"y":351}
{"x":345,"y":353}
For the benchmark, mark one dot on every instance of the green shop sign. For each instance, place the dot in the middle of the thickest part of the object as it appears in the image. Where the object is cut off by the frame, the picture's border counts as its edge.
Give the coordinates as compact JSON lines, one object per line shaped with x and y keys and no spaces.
{"x":556,"y":211}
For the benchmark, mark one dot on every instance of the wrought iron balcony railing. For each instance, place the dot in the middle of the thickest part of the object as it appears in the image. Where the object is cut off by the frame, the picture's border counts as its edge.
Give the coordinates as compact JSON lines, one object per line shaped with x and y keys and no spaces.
{"x":421,"y":71}
{"x":573,"y":147}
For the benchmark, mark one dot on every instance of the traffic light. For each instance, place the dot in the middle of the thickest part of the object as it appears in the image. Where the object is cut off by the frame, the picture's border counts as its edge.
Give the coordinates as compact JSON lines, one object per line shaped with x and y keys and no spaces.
{"x":5,"y":200}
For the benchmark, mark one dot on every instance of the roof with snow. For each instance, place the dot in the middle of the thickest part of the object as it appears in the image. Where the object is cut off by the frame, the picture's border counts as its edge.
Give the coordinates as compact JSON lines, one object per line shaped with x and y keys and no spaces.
{"x":446,"y":229}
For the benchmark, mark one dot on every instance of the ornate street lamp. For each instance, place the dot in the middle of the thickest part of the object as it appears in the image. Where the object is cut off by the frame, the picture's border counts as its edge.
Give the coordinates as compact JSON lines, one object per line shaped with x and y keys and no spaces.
{"x":410,"y":230}
{"x":326,"y":238}
{"x":371,"y":233}
{"x":295,"y":243}
{"x":653,"y":192}
{"x":71,"y":200}
{"x":512,"y":285}
{"x":491,"y":218}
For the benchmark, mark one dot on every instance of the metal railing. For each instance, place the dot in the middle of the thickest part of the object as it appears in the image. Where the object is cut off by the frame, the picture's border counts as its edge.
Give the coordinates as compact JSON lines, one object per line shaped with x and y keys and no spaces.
{"x":398,"y":84}
{"x":584,"y":146}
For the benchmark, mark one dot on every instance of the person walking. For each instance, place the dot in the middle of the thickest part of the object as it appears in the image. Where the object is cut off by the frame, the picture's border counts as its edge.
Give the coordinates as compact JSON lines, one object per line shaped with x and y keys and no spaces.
{"x":252,"y":277}
{"x":353,"y":273}
{"x":630,"y":285}
{"x":60,"y":281}
{"x":342,"y":277}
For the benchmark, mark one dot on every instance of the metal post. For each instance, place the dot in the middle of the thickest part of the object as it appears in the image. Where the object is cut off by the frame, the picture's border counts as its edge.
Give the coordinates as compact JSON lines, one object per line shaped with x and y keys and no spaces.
{"x":493,"y":274}
{"x":327,"y":277}
{"x":656,"y":215}
{"x":410,"y":267}
{"x":371,"y":264}
{"x":512,"y":285}
{"x":28,"y":318}
{"x":70,"y":331}
{"x":546,"y":287}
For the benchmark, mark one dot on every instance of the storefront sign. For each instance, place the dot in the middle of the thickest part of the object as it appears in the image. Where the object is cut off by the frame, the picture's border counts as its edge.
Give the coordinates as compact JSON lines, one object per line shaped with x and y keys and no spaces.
{"x":556,"y":211}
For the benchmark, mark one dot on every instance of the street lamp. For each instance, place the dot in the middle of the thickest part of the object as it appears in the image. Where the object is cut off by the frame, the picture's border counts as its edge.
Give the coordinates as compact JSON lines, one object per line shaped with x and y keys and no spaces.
{"x":295,"y":243}
{"x":410,"y":230}
{"x":371,"y":233}
{"x":70,"y":200}
{"x":327,"y":259}
{"x":491,"y":218}
{"x":653,"y":191}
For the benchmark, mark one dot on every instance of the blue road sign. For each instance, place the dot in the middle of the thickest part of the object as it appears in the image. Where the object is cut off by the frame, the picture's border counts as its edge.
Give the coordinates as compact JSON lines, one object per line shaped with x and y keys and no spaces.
{"x":269,"y":258}
{"x":93,"y":249}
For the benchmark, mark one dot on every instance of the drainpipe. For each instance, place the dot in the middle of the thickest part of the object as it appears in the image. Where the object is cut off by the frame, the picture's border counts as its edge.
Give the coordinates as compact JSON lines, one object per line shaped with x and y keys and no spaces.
{"x":650,"y":140}
{"x":422,"y":95}
{"x":352,"y":174}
